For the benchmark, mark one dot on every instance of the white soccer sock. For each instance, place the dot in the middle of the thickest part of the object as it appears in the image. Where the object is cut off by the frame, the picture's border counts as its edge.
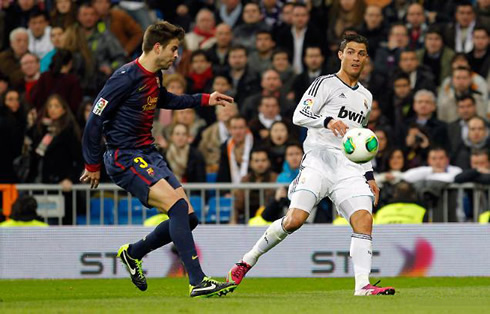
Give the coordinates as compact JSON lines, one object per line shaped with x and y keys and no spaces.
{"x":361,"y":253}
{"x":272,"y":236}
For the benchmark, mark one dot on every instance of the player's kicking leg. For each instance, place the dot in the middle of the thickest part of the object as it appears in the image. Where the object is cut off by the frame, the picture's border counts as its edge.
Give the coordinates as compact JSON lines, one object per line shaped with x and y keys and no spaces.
{"x":163,"y":196}
{"x":361,"y":245}
{"x":276,"y":232}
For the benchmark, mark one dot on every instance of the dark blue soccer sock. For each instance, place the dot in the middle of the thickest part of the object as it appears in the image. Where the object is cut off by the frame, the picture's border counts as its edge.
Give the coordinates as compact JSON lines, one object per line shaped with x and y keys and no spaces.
{"x":181,"y":235}
{"x":157,"y":238}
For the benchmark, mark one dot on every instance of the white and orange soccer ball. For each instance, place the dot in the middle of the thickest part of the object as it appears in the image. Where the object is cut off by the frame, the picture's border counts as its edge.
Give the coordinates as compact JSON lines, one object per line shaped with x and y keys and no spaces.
{"x":360,"y":145}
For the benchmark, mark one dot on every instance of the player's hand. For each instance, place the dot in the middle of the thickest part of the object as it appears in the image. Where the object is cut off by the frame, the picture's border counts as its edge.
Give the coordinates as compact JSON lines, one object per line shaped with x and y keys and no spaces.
{"x":337,"y":127}
{"x":375,"y":189}
{"x":92,"y":177}
{"x":218,"y":99}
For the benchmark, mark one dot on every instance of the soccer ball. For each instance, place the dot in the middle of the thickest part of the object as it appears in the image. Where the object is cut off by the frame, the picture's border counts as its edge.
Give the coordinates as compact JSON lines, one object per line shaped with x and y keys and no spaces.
{"x":360,"y":145}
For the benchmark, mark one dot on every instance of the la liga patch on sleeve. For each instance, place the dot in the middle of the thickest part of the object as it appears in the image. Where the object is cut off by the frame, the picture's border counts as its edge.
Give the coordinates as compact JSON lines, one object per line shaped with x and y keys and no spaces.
{"x":100,"y":106}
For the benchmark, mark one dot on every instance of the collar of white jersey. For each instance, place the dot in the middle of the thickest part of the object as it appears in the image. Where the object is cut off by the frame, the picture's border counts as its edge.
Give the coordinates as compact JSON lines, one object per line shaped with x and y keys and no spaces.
{"x":353,"y":88}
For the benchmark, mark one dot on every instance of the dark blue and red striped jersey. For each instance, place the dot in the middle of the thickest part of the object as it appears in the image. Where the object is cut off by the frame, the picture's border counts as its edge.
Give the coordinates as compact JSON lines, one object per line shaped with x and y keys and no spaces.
{"x":124,"y":109}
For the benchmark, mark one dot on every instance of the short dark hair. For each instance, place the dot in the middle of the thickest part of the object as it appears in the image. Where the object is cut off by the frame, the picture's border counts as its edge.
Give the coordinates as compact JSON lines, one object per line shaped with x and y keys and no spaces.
{"x":462,"y":68}
{"x":38,"y":13}
{"x":262,"y":31}
{"x":268,"y":97}
{"x":260,"y":149}
{"x":464,"y":97}
{"x":397,"y":24}
{"x":161,"y":32}
{"x":239,"y":117}
{"x":464,"y":3}
{"x":480,"y":27}
{"x":434,"y":29}
{"x":294,"y":144}
{"x":436,"y":148}
{"x":199,"y":52}
{"x":238,"y":47}
{"x":459,"y":55}
{"x":355,"y":38}
{"x":480,"y":151}
{"x":401,"y":76}
{"x":278,"y":51}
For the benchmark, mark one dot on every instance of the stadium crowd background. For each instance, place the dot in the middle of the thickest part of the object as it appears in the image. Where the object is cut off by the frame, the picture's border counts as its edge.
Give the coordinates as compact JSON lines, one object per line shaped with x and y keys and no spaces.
{"x":428,"y":73}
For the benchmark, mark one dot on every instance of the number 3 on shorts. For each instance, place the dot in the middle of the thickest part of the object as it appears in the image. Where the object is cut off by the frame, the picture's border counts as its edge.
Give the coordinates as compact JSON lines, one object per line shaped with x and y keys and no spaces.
{"x":141,"y":161}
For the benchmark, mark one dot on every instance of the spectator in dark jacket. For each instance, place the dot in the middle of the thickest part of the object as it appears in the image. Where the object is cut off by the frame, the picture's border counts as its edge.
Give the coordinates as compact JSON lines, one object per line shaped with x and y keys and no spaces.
{"x":477,"y":138}
{"x":10,"y":58}
{"x":480,"y":168}
{"x":58,"y":80}
{"x":373,"y":28}
{"x":12,"y":129}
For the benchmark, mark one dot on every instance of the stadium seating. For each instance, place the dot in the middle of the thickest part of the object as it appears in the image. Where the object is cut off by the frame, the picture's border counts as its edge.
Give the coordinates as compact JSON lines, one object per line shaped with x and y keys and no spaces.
{"x":136,"y":212}
{"x":95,"y":210}
{"x":225,"y":209}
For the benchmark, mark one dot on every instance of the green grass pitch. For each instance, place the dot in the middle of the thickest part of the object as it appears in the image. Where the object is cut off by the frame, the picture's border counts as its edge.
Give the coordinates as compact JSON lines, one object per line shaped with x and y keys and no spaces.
{"x":255,"y":295}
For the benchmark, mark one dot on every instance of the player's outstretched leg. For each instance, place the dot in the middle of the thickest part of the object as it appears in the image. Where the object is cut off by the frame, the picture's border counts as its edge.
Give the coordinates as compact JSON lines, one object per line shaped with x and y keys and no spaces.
{"x":361,"y":253}
{"x":133,"y":266}
{"x":200,"y":285}
{"x":276,"y":232}
{"x":131,"y":255}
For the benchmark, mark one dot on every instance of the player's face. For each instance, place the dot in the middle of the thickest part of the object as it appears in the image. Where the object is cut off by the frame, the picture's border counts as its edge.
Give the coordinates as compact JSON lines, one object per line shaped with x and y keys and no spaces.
{"x":55,"y":109}
{"x":279,"y":134}
{"x":353,"y":58}
{"x":259,"y":162}
{"x":396,"y":161}
{"x":293,"y":156}
{"x":12,"y":101}
{"x":167,"y":55}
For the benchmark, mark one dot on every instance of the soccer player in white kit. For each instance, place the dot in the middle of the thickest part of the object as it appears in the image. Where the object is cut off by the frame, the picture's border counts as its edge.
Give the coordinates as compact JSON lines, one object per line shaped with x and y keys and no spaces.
{"x":332,"y":104}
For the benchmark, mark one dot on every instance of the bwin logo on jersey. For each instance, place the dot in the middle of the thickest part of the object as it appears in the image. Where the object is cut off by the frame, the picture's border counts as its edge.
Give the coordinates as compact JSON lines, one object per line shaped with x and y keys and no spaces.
{"x":351,"y":115}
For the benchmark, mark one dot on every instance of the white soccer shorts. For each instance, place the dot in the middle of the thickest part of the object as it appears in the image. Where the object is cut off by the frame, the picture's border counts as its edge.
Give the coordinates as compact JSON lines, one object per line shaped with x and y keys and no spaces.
{"x":329,"y":173}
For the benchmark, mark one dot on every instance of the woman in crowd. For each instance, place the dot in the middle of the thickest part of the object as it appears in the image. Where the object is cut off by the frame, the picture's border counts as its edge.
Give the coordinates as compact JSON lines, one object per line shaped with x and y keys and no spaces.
{"x":63,"y":14}
{"x":395,"y":165}
{"x":56,"y":145}
{"x":277,"y":143}
{"x":186,"y":162}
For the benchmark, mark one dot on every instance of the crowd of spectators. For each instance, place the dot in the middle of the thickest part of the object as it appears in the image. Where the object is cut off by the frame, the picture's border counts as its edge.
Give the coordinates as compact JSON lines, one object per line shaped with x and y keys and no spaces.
{"x":428,"y":72}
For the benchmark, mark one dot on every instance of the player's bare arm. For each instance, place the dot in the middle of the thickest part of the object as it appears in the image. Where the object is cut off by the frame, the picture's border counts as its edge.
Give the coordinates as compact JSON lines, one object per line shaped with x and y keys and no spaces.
{"x":374,"y":187}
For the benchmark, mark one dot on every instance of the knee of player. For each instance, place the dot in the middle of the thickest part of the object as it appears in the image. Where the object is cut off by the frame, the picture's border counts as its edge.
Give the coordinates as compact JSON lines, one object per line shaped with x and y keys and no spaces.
{"x":292,"y":223}
{"x":361,"y":221}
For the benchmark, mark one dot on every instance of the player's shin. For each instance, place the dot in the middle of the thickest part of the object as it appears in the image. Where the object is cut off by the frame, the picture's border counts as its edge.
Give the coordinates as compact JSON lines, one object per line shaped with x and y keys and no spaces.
{"x":181,"y":235}
{"x":361,"y":253}
{"x":272,"y":236}
{"x":157,"y":238}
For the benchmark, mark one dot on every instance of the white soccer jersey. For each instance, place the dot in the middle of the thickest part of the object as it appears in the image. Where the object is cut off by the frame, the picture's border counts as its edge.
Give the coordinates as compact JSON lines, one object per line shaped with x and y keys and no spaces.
{"x":329,"y":96}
